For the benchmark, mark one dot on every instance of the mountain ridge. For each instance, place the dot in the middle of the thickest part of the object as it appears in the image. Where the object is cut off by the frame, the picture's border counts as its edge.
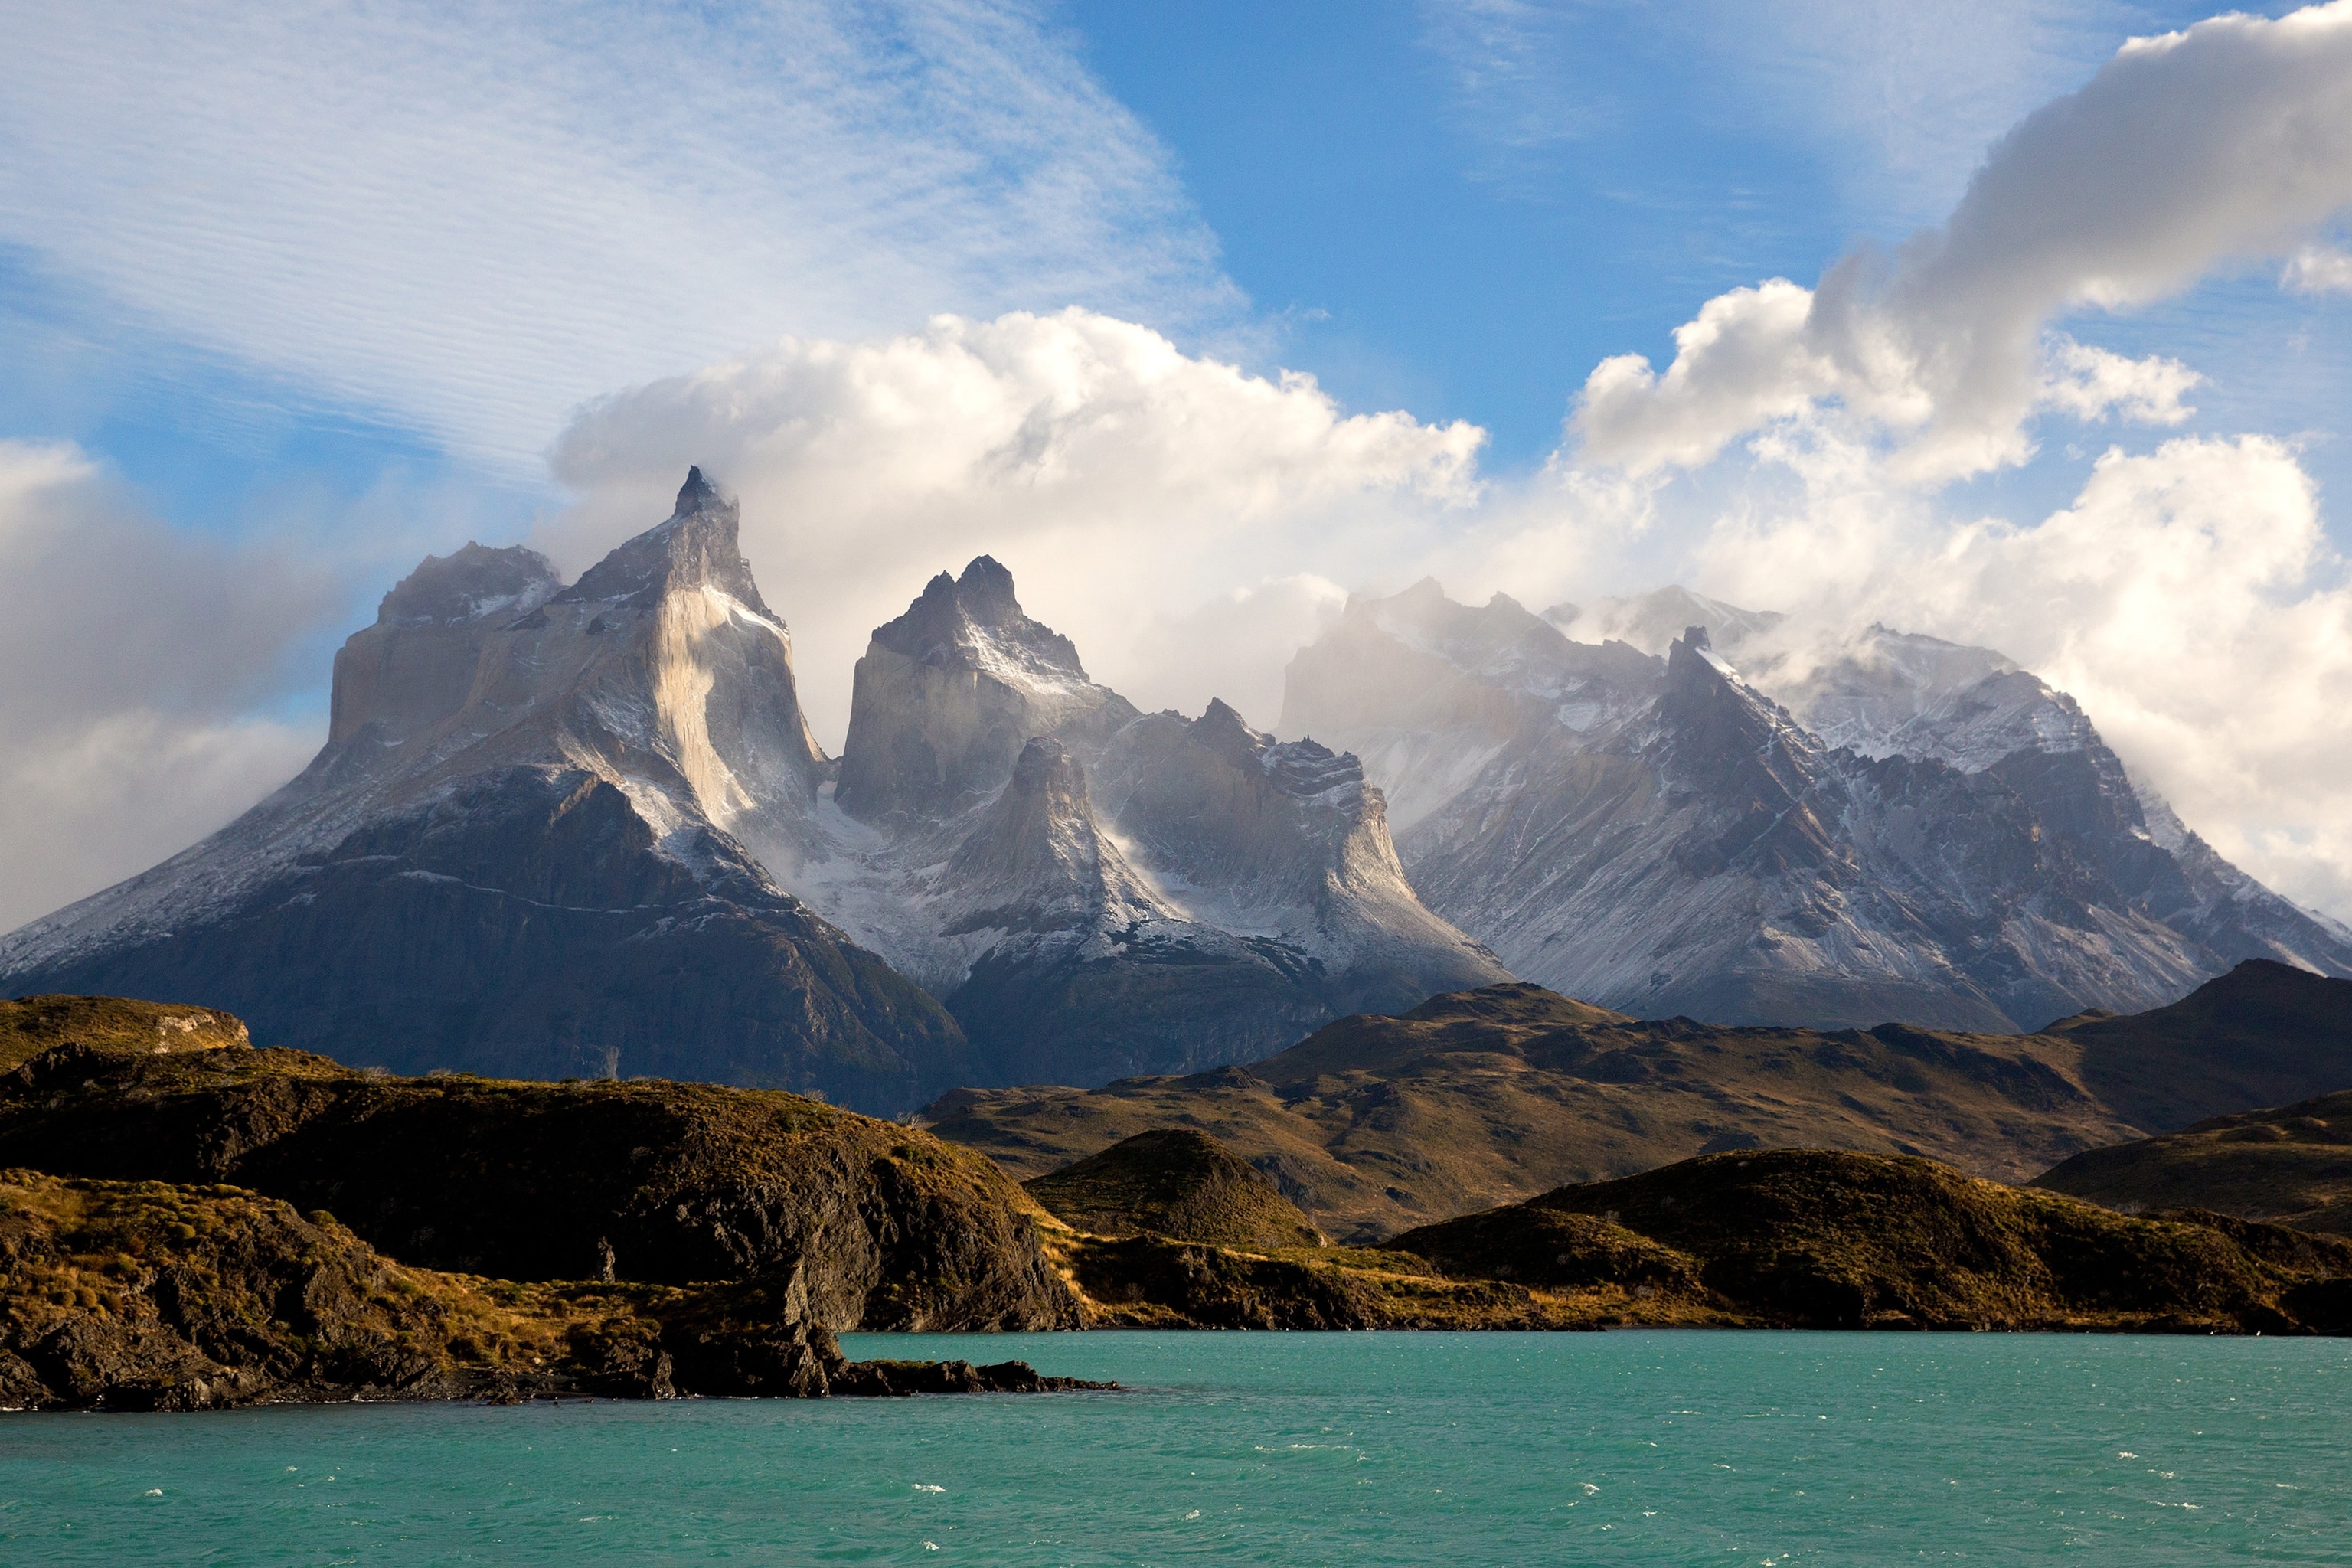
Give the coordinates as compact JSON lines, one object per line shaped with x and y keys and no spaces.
{"x":1922,"y":831}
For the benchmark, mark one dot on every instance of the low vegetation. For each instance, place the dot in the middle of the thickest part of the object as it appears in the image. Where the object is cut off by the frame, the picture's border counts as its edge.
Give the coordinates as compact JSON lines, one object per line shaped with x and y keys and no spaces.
{"x":1822,"y":1238}
{"x":2289,"y":1166}
{"x":654,"y":1181}
{"x":150,"y":1296}
{"x":31,"y":1025}
{"x":1373,"y":1125}
{"x":1177,"y":1182}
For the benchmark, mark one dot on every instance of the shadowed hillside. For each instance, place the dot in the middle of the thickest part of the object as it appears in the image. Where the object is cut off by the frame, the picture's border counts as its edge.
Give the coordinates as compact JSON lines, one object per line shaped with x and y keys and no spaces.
{"x":1175,"y":1182}
{"x":1373,"y":1124}
{"x":2291,"y":1165}
{"x":648,"y":1181}
{"x":2263,"y":1034}
{"x":1815,"y":1238}
{"x":146,"y":1296}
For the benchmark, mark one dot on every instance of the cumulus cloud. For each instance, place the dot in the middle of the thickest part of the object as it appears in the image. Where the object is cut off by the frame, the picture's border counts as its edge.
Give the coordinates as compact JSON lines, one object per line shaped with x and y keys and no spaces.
{"x":473,"y":218}
{"x":1133,"y":489}
{"x":2228,"y":141}
{"x":2319,"y":270}
{"x":137,"y":653}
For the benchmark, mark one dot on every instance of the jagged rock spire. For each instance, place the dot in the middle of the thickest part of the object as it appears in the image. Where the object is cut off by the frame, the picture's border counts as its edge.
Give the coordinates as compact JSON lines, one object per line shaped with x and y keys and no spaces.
{"x":696,"y":494}
{"x":696,"y":546}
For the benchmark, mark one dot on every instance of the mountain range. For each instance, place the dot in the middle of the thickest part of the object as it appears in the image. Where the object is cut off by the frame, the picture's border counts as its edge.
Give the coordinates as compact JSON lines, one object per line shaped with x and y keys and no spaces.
{"x":1750,"y":831}
{"x":585,"y":830}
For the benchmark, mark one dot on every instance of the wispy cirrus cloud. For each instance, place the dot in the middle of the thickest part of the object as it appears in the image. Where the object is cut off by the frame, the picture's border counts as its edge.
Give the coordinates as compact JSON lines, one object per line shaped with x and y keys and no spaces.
{"x":1900,"y":100}
{"x":476,"y":219}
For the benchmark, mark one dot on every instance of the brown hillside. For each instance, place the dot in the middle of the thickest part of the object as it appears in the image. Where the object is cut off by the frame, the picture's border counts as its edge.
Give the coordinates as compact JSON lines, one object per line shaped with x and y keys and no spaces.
{"x":1178,"y":1182}
{"x":1820,"y":1238}
{"x":1373,"y":1124}
{"x":2290,"y":1165}
{"x":664,"y":1182}
{"x":2264,"y":1034}
{"x":31,"y":1025}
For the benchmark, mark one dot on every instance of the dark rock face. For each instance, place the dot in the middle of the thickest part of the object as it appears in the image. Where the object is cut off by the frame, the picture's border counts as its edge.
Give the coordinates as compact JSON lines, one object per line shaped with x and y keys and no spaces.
{"x":1816,"y":1239}
{"x":537,"y":843}
{"x":1176,"y":1183}
{"x":1925,"y":832}
{"x":144,"y":1296}
{"x":865,"y":1224}
{"x":527,"y":923}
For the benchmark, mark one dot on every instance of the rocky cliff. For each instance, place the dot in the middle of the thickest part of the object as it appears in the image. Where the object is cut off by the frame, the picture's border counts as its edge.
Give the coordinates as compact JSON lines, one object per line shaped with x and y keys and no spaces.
{"x":146,"y":1296}
{"x":537,"y":842}
{"x":869,"y":1223}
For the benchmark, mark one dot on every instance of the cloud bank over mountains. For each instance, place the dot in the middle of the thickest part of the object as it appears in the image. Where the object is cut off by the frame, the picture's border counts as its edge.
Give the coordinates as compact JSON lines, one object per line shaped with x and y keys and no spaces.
{"x":2225,"y":143}
{"x":2188,"y":596}
{"x":1182,"y":519}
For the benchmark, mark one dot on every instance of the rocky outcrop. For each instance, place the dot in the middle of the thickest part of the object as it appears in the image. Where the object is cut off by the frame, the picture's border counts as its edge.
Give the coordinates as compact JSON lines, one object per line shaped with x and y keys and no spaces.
{"x":538,"y":842}
{"x":869,"y":1223}
{"x":31,"y":1025}
{"x":146,"y":1296}
{"x":1914,"y":830}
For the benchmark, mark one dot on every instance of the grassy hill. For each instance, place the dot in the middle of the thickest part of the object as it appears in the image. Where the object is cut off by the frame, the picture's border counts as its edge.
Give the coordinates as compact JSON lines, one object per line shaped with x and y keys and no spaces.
{"x":1822,"y":1238}
{"x":1177,"y":1182}
{"x":2263,"y":1034}
{"x":1372,"y":1125}
{"x":31,"y":1025}
{"x":2289,"y":1166}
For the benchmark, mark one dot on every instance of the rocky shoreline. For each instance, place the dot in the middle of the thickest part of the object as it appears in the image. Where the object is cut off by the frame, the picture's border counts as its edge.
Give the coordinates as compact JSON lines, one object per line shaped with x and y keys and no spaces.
{"x":157,"y":1297}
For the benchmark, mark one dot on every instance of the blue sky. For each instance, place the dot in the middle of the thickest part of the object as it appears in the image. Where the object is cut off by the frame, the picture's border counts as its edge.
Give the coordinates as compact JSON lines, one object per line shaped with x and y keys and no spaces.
{"x":1415,"y":231}
{"x":318,"y":301}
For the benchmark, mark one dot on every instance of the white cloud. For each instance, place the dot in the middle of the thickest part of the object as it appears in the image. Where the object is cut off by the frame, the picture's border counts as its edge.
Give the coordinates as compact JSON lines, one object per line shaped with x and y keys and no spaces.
{"x":2319,"y":270}
{"x":476,"y":219}
{"x":2226,"y":141}
{"x":1132,"y":490}
{"x":2091,"y":383}
{"x":134,"y":655}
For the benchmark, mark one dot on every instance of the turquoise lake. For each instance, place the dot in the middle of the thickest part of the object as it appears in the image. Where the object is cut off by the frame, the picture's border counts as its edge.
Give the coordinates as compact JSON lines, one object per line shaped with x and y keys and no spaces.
{"x":1454,"y":1449}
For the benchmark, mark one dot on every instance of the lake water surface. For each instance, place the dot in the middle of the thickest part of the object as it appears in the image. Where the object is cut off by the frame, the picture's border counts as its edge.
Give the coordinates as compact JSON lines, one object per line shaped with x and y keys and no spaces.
{"x":1300,"y":1450}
